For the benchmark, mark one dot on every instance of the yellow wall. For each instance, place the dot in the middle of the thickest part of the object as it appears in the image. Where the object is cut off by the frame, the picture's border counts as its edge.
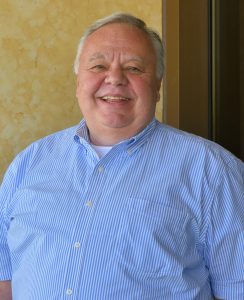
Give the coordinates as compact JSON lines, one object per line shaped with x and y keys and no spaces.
{"x":38,"y":40}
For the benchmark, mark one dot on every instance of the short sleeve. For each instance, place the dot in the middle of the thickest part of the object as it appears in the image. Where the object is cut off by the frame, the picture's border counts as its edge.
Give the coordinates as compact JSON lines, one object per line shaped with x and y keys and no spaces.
{"x":225,"y":236}
{"x":10,"y":184}
{"x":5,"y":261}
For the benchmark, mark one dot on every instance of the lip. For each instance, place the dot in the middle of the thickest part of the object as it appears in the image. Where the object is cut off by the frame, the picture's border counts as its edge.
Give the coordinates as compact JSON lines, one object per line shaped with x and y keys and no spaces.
{"x":114,"y":98}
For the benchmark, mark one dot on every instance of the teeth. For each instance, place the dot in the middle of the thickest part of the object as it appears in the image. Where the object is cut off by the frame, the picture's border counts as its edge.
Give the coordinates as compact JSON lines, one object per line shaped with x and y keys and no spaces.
{"x":114,"y":98}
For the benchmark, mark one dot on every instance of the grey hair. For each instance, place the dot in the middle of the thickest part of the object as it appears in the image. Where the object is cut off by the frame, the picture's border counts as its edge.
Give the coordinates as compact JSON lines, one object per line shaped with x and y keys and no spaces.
{"x":127,"y":19}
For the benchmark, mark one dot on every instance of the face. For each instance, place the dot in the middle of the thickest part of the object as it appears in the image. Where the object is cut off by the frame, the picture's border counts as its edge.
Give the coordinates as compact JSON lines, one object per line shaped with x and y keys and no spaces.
{"x":117,"y":88}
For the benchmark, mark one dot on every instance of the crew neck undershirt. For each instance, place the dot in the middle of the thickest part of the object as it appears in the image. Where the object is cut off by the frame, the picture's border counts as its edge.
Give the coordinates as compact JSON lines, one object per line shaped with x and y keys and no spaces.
{"x":101,"y":150}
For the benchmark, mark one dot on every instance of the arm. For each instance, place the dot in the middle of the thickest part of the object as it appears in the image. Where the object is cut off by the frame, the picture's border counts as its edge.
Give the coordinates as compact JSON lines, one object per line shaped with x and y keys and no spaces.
{"x":227,"y":233}
{"x":5,"y":290}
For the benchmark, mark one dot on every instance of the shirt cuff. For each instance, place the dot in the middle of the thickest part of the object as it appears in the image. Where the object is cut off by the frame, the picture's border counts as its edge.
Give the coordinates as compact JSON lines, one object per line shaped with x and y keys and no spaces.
{"x":229,"y":290}
{"x":5,"y":265}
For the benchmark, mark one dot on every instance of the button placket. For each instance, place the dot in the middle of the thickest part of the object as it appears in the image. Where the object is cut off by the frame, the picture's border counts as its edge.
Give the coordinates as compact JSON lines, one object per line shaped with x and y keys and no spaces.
{"x":80,"y":238}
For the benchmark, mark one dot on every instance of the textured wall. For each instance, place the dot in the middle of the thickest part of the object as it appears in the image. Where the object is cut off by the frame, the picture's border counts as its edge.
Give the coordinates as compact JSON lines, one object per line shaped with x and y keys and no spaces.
{"x":38,"y":40}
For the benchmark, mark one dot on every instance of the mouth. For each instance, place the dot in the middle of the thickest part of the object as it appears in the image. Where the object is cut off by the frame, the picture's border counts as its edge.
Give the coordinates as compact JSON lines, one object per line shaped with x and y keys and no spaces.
{"x":114,"y":99}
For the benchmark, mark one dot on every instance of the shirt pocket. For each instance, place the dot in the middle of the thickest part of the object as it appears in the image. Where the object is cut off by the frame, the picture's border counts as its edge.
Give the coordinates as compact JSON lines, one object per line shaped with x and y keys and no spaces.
{"x":152,"y":239}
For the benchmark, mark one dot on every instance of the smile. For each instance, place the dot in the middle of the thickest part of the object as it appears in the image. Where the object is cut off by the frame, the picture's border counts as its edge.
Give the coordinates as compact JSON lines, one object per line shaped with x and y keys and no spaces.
{"x":114,"y":98}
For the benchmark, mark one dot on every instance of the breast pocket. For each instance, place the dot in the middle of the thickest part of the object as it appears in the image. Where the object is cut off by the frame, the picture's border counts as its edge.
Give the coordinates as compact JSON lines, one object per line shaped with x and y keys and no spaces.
{"x":154,"y":239}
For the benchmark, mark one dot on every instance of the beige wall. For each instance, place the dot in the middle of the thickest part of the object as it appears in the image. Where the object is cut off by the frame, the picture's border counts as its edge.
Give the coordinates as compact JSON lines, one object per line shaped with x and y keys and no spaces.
{"x":38,"y":40}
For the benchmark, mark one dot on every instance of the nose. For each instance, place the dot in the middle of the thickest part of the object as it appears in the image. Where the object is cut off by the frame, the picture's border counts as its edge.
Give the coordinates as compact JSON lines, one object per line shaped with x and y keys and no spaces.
{"x":116,"y":76}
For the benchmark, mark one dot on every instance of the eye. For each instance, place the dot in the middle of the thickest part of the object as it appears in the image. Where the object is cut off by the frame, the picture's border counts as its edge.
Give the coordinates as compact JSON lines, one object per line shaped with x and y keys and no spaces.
{"x":134,"y":69}
{"x":98,"y":68}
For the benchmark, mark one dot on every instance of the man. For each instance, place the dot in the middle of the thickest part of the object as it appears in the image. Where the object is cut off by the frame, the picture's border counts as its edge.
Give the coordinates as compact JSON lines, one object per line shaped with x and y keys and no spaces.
{"x":121,"y":206}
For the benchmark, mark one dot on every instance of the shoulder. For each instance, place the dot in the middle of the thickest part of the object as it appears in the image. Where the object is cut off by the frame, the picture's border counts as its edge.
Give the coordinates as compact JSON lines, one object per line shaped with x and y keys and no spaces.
{"x":181,"y":145}
{"x":54,"y":139}
{"x":54,"y":142}
{"x":43,"y":149}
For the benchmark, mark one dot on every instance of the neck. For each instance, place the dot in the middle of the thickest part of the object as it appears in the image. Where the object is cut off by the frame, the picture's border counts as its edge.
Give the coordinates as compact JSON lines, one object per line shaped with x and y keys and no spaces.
{"x":109,"y":136}
{"x":107,"y":139}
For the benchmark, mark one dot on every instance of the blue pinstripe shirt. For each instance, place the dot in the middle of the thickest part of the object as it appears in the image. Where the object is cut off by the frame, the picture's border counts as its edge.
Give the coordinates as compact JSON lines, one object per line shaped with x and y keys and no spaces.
{"x":161,"y":216}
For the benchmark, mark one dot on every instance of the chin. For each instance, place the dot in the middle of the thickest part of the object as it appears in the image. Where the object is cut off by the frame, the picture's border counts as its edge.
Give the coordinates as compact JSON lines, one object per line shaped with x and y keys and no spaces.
{"x":117,"y":122}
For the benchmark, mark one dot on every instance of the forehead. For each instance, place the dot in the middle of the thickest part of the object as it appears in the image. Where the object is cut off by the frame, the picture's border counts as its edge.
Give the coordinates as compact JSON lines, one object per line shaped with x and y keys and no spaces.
{"x":120,"y":37}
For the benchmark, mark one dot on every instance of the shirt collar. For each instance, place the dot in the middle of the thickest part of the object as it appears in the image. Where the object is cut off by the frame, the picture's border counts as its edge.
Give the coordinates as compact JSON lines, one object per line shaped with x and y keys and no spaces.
{"x":81,"y":132}
{"x":82,"y":136}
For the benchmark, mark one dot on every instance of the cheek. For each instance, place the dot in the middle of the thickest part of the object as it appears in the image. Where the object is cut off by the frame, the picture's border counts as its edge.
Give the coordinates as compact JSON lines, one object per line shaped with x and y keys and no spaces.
{"x":88,"y":85}
{"x":145,"y":90}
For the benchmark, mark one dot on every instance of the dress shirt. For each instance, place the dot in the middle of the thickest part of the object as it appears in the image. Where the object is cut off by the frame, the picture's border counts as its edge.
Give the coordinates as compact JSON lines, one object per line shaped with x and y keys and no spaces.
{"x":160,"y":216}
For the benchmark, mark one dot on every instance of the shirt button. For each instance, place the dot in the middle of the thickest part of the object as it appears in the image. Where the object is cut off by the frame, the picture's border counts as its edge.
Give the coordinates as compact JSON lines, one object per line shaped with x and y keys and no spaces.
{"x":100,"y":169}
{"x":69,"y":292}
{"x":77,"y":245}
{"x":89,"y":203}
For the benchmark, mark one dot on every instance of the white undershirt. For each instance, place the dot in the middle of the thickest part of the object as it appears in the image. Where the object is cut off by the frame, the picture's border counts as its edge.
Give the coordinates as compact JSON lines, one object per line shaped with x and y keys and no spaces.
{"x":101,"y":150}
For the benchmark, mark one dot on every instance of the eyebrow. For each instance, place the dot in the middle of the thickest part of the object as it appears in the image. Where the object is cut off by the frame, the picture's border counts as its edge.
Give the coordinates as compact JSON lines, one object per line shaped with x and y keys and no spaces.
{"x":135,"y":58}
{"x":98,"y":55}
{"x":95,"y":56}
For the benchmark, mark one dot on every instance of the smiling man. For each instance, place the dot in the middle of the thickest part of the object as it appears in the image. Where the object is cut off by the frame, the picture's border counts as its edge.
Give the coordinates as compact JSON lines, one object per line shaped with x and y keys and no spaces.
{"x":122,"y":206}
{"x":117,"y":86}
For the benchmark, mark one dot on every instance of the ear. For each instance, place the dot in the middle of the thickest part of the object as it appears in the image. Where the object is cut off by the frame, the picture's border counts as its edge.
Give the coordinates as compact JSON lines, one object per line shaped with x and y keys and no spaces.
{"x":77,"y":85}
{"x":158,"y":96}
{"x":158,"y":86}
